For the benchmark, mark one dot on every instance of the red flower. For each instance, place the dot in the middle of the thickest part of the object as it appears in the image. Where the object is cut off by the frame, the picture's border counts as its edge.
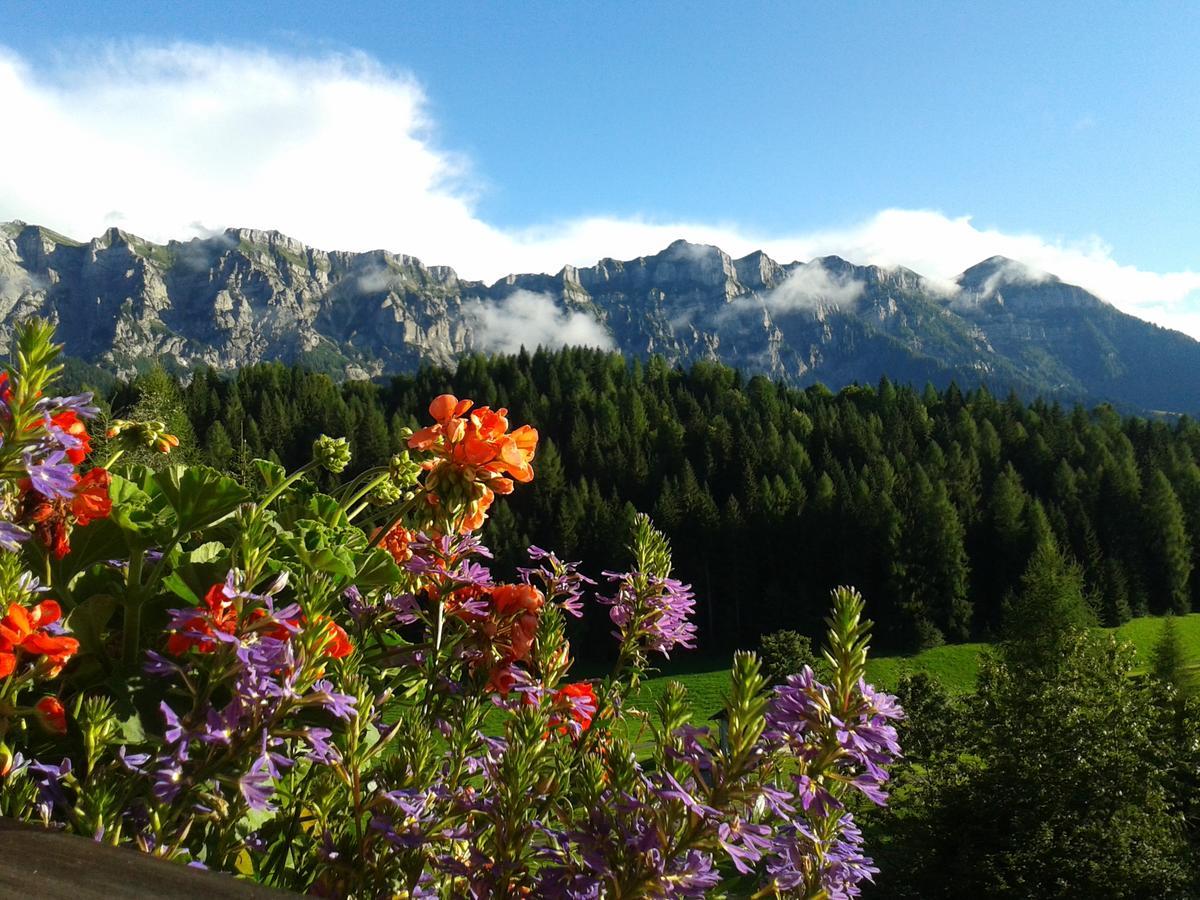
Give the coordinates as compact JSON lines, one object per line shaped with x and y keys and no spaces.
{"x":579,"y":703}
{"x":477,"y":449}
{"x":23,"y":629}
{"x":511,"y":598}
{"x":69,"y":422}
{"x":51,"y":518}
{"x":338,"y":645}
{"x":396,"y":543}
{"x":91,"y":497}
{"x":219,"y":615}
{"x":51,"y":715}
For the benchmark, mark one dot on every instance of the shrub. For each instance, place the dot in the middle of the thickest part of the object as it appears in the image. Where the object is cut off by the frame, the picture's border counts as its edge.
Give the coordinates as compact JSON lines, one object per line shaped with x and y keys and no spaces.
{"x":333,"y":693}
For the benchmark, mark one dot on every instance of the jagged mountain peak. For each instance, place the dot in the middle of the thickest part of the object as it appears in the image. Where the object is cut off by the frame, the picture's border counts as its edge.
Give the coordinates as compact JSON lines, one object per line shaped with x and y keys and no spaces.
{"x":996,"y":271}
{"x":244,"y":295}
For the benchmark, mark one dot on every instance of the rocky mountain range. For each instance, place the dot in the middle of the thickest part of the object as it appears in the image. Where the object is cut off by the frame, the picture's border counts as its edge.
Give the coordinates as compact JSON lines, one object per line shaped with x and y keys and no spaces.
{"x":244,"y":296}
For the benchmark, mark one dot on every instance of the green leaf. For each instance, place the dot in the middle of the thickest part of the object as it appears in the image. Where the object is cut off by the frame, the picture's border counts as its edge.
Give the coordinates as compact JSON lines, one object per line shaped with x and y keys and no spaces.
{"x":88,"y":620}
{"x":333,"y":562}
{"x":209,"y":552}
{"x":377,"y":568}
{"x":325,"y":509}
{"x":101,"y":540}
{"x":271,"y":473}
{"x":200,"y":496}
{"x":177,"y":586}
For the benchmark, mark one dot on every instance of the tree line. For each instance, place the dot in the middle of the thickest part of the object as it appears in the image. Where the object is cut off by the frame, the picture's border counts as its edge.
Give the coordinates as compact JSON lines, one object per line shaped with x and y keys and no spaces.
{"x":930,"y":502}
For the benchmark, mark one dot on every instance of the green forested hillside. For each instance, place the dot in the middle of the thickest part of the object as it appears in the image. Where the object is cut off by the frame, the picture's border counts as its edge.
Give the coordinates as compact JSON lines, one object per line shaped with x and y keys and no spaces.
{"x":931,"y":503}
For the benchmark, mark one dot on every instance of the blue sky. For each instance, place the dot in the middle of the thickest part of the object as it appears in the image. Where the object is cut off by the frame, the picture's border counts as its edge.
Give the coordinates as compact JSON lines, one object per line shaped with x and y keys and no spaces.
{"x":1066,"y":133}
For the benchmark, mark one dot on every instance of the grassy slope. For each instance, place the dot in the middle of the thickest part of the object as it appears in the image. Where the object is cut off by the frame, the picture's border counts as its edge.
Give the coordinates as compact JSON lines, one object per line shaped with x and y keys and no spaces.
{"x":956,"y":665}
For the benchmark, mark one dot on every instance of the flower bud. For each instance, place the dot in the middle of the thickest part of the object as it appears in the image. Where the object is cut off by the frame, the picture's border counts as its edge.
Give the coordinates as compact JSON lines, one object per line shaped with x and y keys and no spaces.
{"x":7,"y":759}
{"x":51,"y":715}
{"x":385,"y":494}
{"x":331,"y":454}
{"x":403,"y":470}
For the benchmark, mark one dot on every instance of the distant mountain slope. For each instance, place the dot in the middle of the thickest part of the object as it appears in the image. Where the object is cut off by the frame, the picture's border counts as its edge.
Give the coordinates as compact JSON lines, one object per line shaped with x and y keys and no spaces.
{"x":244,"y":296}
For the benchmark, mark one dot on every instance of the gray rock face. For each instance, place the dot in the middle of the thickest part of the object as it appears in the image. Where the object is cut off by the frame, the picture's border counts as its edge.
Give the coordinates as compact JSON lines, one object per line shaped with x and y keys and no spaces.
{"x":245,"y":296}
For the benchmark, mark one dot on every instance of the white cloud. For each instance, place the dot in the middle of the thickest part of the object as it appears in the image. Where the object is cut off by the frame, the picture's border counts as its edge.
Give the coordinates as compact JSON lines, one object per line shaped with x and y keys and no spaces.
{"x":814,"y":286}
{"x":173,"y":141}
{"x":528,"y":319}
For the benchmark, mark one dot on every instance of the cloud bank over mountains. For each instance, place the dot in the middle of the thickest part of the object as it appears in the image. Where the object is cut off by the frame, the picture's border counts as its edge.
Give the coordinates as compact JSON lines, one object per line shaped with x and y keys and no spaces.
{"x":528,"y":319}
{"x":339,"y":151}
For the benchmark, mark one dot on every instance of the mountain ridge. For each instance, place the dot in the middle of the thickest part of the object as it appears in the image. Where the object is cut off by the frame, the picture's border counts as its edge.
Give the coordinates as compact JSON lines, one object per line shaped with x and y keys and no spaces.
{"x":244,"y":295}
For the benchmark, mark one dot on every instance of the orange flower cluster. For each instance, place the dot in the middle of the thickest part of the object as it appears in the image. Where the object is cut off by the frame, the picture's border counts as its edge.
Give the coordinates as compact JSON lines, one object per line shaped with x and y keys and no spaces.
{"x":505,"y":631}
{"x":24,"y":630}
{"x":396,"y":543}
{"x":220,"y":614}
{"x":474,"y":455}
{"x":51,"y":518}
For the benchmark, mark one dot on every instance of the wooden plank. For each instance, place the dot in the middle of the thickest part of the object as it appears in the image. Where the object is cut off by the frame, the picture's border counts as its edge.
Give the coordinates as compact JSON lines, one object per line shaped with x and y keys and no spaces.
{"x":51,"y":865}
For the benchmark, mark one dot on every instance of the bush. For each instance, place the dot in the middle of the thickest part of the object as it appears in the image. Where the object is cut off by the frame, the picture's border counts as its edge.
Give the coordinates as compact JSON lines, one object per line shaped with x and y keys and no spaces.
{"x":331,"y":692}
{"x":785,"y":653}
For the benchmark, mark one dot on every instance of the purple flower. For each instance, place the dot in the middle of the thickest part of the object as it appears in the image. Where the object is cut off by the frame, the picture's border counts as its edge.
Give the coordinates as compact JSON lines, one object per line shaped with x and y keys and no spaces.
{"x":219,"y":727}
{"x":132,"y":762}
{"x":673,"y":790}
{"x":174,"y":733}
{"x":80,"y":404}
{"x":340,"y":705}
{"x":692,"y":876}
{"x":561,"y":581}
{"x":48,"y":778}
{"x":53,"y":476}
{"x":157,"y":664}
{"x":11,"y":537}
{"x":256,"y":786}
{"x":405,"y":607}
{"x":745,"y":843}
{"x":59,"y":436}
{"x":319,"y":748}
{"x":652,"y":610}
{"x":168,"y":779}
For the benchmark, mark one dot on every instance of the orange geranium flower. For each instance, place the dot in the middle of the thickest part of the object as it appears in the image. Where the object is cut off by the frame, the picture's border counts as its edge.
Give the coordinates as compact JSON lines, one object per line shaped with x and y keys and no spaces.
{"x":23,"y":630}
{"x":479,"y":449}
{"x":511,"y":598}
{"x":338,"y":644}
{"x":396,"y":543}
{"x":579,"y":699}
{"x":221,"y":616}
{"x":50,"y":517}
{"x":70,"y":423}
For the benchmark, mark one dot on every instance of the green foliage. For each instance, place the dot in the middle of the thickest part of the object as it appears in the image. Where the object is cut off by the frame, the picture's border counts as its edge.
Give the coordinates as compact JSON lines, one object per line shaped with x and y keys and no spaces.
{"x":1056,"y":785}
{"x":785,"y":653}
{"x":1047,"y":613}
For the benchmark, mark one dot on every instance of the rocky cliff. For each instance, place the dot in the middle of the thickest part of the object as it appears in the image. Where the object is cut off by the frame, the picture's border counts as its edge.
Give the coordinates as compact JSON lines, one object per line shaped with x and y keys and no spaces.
{"x":243,"y":296}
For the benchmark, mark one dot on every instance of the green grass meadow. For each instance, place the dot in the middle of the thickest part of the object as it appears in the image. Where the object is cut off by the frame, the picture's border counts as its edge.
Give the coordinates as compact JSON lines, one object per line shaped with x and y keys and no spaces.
{"x":955,"y":665}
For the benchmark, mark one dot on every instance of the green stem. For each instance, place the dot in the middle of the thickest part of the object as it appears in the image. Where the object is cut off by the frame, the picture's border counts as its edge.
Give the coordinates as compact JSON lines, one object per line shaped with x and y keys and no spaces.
{"x":370,"y":486}
{"x":286,"y":483}
{"x":132,"y":637}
